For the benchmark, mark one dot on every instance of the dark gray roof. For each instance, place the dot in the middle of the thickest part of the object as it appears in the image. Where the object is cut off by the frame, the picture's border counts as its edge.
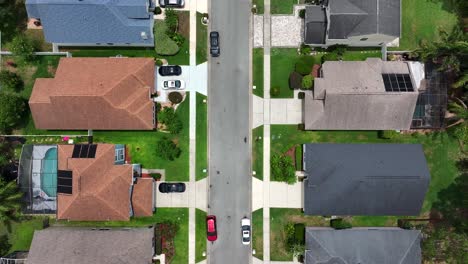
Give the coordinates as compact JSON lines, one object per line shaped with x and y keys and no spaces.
{"x":94,"y":21}
{"x":58,"y":245}
{"x":362,"y":17}
{"x":364,"y":179}
{"x":362,"y":245}
{"x":315,"y":25}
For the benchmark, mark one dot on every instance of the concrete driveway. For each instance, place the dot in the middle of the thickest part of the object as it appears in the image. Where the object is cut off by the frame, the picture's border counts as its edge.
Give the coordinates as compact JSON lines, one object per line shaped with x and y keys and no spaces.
{"x":182,"y":199}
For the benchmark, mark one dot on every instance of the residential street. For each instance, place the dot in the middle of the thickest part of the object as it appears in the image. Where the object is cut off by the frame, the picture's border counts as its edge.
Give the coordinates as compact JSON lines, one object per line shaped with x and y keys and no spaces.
{"x":229,"y":131}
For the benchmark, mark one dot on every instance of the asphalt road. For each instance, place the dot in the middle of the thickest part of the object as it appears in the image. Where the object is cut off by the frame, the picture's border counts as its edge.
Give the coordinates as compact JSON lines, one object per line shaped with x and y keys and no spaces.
{"x":229,"y":131}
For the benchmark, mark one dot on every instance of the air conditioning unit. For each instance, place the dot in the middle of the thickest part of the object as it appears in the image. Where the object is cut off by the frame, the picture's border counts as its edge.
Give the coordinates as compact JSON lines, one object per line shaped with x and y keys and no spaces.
{"x":144,"y":35}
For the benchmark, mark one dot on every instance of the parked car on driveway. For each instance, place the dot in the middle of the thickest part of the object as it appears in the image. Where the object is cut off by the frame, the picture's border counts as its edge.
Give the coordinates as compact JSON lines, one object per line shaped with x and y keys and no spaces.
{"x":173,"y":84}
{"x":214,"y":44}
{"x":211,"y":231}
{"x":171,"y":3}
{"x":245,"y":226}
{"x":170,"y":70}
{"x":172,"y":187}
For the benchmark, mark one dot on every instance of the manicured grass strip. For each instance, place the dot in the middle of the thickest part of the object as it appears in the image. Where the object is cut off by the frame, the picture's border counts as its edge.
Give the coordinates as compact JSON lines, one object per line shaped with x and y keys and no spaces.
{"x":421,"y":21}
{"x":257,"y":151}
{"x":202,"y":138}
{"x":200,"y":235}
{"x":202,"y":40}
{"x":260,"y":6}
{"x":441,"y":150}
{"x":22,"y":232}
{"x":282,"y":64}
{"x":142,"y":146}
{"x":258,"y":71}
{"x":257,"y":233}
{"x":178,"y":215}
{"x":282,"y":6}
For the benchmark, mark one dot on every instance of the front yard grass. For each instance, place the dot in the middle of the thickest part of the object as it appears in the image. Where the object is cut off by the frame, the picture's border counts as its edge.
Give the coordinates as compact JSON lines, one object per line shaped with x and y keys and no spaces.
{"x":257,"y":155}
{"x":202,"y":40}
{"x":282,"y":6}
{"x":202,"y":138}
{"x":178,"y":215}
{"x":257,"y":233}
{"x":22,"y":232}
{"x":200,"y":235}
{"x":260,"y":6}
{"x":258,"y":71}
{"x":421,"y":21}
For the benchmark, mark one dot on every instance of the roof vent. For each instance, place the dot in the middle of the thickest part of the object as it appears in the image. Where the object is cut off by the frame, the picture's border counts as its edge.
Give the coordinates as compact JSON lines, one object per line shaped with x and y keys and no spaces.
{"x":144,"y":36}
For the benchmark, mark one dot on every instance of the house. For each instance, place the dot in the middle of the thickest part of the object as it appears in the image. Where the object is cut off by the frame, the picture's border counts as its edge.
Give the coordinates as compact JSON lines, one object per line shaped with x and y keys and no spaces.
{"x":383,"y":245}
{"x":92,"y":187}
{"x":96,"y":93}
{"x":95,"y":22}
{"x":58,"y":245}
{"x":353,"y":22}
{"x":364,"y":95}
{"x":364,"y":179}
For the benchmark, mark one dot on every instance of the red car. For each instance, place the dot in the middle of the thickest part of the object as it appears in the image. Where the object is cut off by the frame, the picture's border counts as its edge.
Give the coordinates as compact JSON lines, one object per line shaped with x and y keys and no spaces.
{"x":211,"y":231}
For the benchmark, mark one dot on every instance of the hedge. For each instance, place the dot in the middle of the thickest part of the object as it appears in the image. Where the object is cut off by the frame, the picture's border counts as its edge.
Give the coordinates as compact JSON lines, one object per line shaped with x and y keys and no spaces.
{"x":339,"y":223}
{"x":299,"y":233}
{"x":298,"y":157}
{"x":295,"y":80}
{"x":164,"y":45}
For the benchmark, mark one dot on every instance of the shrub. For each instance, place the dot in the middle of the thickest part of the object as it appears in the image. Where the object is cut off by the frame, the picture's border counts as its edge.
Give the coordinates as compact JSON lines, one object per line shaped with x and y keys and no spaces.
{"x":387,"y":134}
{"x":299,"y":234}
{"x":301,"y":95}
{"x":167,"y":149}
{"x":4,"y":245}
{"x":282,"y":169}
{"x":156,"y":176}
{"x":339,"y":223}
{"x":158,"y":107}
{"x":302,"y":13}
{"x":295,"y":80}
{"x":166,"y":115}
{"x":305,"y":49}
{"x":308,"y":82}
{"x":275,"y":91}
{"x":175,"y":97}
{"x":304,"y":65}
{"x":301,"y":127}
{"x":178,"y":38}
{"x":175,"y":126}
{"x":159,"y":62}
{"x":298,"y":152}
{"x":164,"y":45}
{"x":290,"y":233}
{"x":10,"y":81}
{"x":23,"y":47}
{"x":157,"y":10}
{"x":171,"y":20}
{"x":331,"y":56}
{"x":12,"y":108}
{"x":171,"y":120}
{"x":338,"y":49}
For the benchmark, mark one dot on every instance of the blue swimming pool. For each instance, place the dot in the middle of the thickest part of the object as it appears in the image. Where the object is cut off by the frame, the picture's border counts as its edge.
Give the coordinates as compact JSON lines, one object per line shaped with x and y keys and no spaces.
{"x":49,"y":173}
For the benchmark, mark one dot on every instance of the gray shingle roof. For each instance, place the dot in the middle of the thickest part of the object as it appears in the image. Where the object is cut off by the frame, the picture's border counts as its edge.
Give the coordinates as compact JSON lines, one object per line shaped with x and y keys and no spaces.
{"x":315,"y":25}
{"x":82,"y":245}
{"x":94,"y":21}
{"x":363,"y":17}
{"x":364,"y":179}
{"x":362,"y":245}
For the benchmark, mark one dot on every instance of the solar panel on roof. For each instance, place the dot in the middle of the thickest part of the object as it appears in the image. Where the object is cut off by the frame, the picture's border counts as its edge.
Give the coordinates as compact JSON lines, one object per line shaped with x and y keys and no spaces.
{"x":64,"y":174}
{"x":397,"y":83}
{"x":76,"y":151}
{"x":64,"y":181}
{"x":64,"y":189}
{"x":84,"y":151}
{"x":92,"y":151}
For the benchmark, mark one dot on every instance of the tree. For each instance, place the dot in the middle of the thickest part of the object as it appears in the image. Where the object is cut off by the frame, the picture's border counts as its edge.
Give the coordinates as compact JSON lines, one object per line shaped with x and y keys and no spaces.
{"x":167,"y":149}
{"x":171,"y":120}
{"x":13,"y":18}
{"x":442,"y":245}
{"x":10,"y":81}
{"x":282,"y":169}
{"x":12,"y":108}
{"x":23,"y":47}
{"x":171,"y":20}
{"x":4,"y":245}
{"x":10,"y":202}
{"x":308,"y":82}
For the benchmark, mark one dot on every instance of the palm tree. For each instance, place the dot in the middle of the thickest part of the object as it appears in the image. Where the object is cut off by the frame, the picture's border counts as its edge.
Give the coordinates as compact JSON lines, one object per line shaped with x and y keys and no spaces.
{"x":10,"y":202}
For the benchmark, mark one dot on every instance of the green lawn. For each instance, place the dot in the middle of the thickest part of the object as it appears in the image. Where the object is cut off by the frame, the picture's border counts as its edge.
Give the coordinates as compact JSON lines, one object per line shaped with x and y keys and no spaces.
{"x":21,"y":234}
{"x":202,"y":138}
{"x":260,"y":6}
{"x":142,"y":146}
{"x":257,"y":152}
{"x":179,"y":215}
{"x":282,"y":6}
{"x":202,"y":40}
{"x":258,"y":71}
{"x":200,"y":235}
{"x":421,"y":21}
{"x":257,"y":233}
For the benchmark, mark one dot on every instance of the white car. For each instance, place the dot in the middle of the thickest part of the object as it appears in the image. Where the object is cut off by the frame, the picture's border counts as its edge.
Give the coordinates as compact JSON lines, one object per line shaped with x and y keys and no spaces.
{"x":245,"y":226}
{"x":173,"y":84}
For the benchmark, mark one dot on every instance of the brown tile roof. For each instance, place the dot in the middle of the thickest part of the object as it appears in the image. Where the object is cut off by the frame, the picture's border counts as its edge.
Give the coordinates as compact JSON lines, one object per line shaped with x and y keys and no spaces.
{"x":96,"y":93}
{"x":142,"y":198}
{"x":101,"y":189}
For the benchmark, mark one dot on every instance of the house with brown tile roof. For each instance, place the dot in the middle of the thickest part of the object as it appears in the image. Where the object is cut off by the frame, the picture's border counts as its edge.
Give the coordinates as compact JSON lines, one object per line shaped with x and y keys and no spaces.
{"x":96,"y":93}
{"x":91,"y":187}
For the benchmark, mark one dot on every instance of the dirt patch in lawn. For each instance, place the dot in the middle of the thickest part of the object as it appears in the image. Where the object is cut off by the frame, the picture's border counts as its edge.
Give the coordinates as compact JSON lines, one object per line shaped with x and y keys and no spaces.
{"x":184,"y":24}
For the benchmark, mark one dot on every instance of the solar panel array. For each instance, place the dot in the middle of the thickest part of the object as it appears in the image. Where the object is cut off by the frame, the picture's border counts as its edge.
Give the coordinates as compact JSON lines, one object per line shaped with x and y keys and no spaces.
{"x":84,"y":151}
{"x":64,"y":181}
{"x":397,"y":83}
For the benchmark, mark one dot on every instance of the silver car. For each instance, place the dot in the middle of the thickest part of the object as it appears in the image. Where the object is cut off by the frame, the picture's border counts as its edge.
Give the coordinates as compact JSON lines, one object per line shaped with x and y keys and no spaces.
{"x":173,"y":84}
{"x":171,"y":3}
